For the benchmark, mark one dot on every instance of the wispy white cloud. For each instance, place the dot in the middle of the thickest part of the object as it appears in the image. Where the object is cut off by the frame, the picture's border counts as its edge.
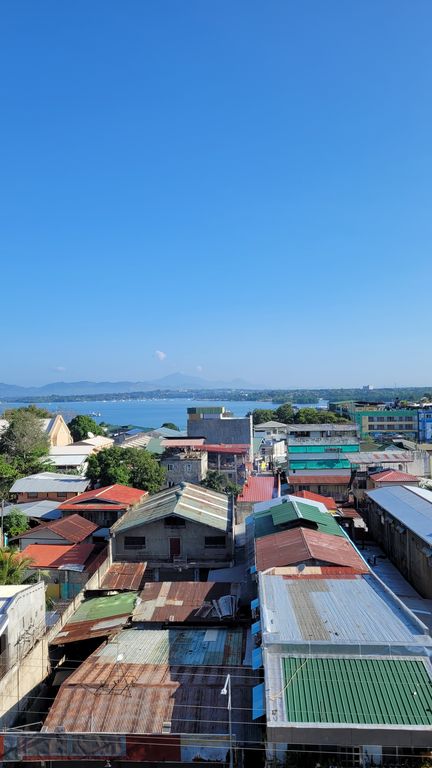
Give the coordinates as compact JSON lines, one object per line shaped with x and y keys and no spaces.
{"x":160,"y":355}
{"x":199,"y":368}
{"x":59,"y":368}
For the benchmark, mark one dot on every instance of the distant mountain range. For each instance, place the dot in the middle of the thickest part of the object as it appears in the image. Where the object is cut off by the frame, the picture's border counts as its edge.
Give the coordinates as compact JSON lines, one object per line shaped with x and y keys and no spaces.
{"x":174,"y":381}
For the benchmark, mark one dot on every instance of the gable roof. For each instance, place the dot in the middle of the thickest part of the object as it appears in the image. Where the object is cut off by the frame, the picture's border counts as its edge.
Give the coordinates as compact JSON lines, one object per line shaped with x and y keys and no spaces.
{"x":257,"y":488}
{"x":270,"y":425}
{"x":73,"y":528}
{"x":50,"y":482}
{"x":109,"y":497}
{"x":295,"y":513}
{"x":58,"y":555}
{"x":328,"y":501}
{"x":300,"y":544}
{"x":393,"y":476}
{"x":192,"y":502}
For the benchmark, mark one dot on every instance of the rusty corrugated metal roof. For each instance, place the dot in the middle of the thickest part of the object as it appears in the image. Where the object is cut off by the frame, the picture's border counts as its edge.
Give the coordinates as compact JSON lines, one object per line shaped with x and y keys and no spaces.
{"x":185,"y":601}
{"x":85,"y":630}
{"x":115,"y":496}
{"x":298,"y":545}
{"x":257,"y":488}
{"x":124,"y":576}
{"x":73,"y":528}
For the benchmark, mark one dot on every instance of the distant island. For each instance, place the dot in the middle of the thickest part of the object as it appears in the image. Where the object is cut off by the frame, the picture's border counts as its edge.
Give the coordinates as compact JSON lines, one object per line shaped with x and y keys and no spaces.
{"x":277,"y":396}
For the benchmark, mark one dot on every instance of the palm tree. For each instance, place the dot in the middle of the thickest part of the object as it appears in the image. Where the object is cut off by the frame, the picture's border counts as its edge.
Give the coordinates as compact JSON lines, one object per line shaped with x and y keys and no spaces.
{"x":13,"y":566}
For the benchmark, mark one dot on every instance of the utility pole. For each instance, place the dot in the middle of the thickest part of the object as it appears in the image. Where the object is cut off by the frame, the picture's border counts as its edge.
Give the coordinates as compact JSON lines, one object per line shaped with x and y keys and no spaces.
{"x":227,"y":690}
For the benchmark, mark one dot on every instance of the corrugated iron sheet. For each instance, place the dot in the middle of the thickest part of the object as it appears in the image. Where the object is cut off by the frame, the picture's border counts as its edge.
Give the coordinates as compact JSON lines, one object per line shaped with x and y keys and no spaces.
{"x":187,"y":601}
{"x":257,"y":489}
{"x":85,"y":630}
{"x":73,"y":528}
{"x":124,"y":576}
{"x":299,"y":545}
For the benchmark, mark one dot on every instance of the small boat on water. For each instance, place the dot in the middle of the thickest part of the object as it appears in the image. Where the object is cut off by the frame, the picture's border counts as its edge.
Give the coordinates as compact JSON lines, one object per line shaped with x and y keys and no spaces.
{"x":95,"y":413}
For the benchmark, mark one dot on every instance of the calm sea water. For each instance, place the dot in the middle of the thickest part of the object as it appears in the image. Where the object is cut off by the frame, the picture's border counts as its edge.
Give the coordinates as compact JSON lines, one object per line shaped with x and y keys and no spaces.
{"x":141,"y":413}
{"x":145,"y":413}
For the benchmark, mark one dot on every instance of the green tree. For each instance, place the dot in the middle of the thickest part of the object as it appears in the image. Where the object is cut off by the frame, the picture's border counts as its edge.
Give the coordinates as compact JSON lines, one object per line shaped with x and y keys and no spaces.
{"x":260,"y":415}
{"x":15,"y":522}
{"x":41,"y":413}
{"x":80,"y":426}
{"x":24,"y":442}
{"x":170,"y":425}
{"x":13,"y":567}
{"x":218,"y":482}
{"x":8,"y":474}
{"x":127,"y":466}
{"x":285,"y":413}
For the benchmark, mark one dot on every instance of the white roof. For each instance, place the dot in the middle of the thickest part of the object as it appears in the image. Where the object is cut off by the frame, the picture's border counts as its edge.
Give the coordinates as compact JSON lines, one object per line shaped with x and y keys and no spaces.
{"x":410,"y":505}
{"x":47,"y":482}
{"x":98,"y":441}
{"x":68,"y":459}
{"x":70,"y":450}
{"x":270,"y":425}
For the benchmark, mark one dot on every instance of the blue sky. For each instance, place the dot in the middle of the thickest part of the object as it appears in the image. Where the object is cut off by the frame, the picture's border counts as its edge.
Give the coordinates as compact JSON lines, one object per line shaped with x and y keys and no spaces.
{"x":243,"y":187}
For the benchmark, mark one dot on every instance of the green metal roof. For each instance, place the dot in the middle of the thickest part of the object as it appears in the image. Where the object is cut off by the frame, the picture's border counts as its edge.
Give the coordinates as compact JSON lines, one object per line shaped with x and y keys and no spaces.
{"x":357,"y":691}
{"x":154,"y":445}
{"x":105,"y":607}
{"x":269,"y":521}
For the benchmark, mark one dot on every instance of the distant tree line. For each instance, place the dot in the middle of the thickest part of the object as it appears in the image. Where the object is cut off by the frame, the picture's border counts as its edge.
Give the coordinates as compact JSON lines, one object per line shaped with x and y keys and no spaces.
{"x":289,"y":415}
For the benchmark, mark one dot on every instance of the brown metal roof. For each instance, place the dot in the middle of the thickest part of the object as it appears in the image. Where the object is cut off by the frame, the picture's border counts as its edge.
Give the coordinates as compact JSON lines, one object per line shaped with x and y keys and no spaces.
{"x":298,"y":545}
{"x":156,"y":699}
{"x":124,"y":576}
{"x":73,"y":529}
{"x":184,"y":601}
{"x":86,"y":630}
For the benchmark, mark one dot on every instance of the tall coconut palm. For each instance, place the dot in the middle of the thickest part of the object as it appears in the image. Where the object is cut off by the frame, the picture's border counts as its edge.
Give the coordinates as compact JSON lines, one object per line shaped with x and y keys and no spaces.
{"x":13,"y":566}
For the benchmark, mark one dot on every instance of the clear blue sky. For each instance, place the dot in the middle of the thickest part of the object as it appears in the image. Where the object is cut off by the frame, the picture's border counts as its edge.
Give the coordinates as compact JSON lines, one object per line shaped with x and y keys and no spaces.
{"x":242,"y":186}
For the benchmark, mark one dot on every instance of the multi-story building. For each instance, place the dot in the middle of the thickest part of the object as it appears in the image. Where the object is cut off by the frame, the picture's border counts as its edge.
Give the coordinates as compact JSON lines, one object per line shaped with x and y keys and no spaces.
{"x":184,"y":465}
{"x":219,"y":426}
{"x":379,"y":420}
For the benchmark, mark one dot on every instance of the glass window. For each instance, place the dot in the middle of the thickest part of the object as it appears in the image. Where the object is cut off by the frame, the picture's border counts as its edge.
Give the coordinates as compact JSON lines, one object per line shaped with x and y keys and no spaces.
{"x":215,"y":542}
{"x":134,"y":542}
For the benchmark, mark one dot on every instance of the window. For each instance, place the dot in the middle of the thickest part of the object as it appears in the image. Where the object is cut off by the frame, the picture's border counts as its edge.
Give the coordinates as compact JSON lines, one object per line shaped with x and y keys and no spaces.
{"x":32,"y":495}
{"x":134,"y":542}
{"x":61,"y":495}
{"x":215,"y":542}
{"x":170,"y":467}
{"x":174,"y":522}
{"x":189,"y":467}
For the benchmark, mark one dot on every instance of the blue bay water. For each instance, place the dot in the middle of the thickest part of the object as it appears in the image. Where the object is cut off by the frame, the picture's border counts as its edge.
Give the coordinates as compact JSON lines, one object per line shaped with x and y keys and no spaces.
{"x":141,"y":413}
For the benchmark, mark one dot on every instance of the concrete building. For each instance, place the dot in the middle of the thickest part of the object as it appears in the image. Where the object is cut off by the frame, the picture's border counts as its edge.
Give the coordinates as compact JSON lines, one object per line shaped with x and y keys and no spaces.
{"x":57,"y":431}
{"x":379,"y":420}
{"x":325,"y":482}
{"x":271,"y":430}
{"x":425,"y":424}
{"x":48,"y":485}
{"x":297,"y":433}
{"x":183,"y":529}
{"x":184,"y":465}
{"x":400,"y":520}
{"x":231,"y":460}
{"x":22,"y":621}
{"x":218,"y":426}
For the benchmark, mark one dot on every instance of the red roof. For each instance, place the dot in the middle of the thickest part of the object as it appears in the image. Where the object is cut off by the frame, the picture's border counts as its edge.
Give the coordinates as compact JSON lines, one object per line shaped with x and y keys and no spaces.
{"x":57,"y":555}
{"x":224,"y":448}
{"x":257,"y":488}
{"x":73,"y":528}
{"x":327,"y":500}
{"x":319,"y":479}
{"x":298,"y":545}
{"x":393,"y":476}
{"x":124,"y":576}
{"x":116,"y":497}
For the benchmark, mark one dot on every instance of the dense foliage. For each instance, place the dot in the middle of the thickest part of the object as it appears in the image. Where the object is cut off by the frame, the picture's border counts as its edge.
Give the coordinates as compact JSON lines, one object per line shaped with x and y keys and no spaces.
{"x":15,"y":522}
{"x":127,"y":466}
{"x":41,"y":413}
{"x":22,"y":447}
{"x":288,"y":415}
{"x":80,"y":427}
{"x":216,"y":481}
{"x":13,"y":567}
{"x":170,"y":425}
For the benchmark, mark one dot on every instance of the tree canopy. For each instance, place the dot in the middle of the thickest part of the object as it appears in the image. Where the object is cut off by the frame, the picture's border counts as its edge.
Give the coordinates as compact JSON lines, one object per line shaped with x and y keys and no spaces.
{"x":80,"y":426}
{"x":288,"y":415}
{"x":170,"y":425}
{"x":127,"y":466}
{"x":22,"y":446}
{"x":15,"y":522}
{"x":13,"y":567}
{"x":216,"y":481}
{"x":41,"y":413}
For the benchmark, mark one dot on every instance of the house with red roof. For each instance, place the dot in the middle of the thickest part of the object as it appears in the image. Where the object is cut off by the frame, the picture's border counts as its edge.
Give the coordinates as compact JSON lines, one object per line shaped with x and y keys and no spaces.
{"x":103,"y":506}
{"x":66,"y":531}
{"x":391,"y":477}
{"x":65,"y":568}
{"x":256,"y":488}
{"x":328,"y":501}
